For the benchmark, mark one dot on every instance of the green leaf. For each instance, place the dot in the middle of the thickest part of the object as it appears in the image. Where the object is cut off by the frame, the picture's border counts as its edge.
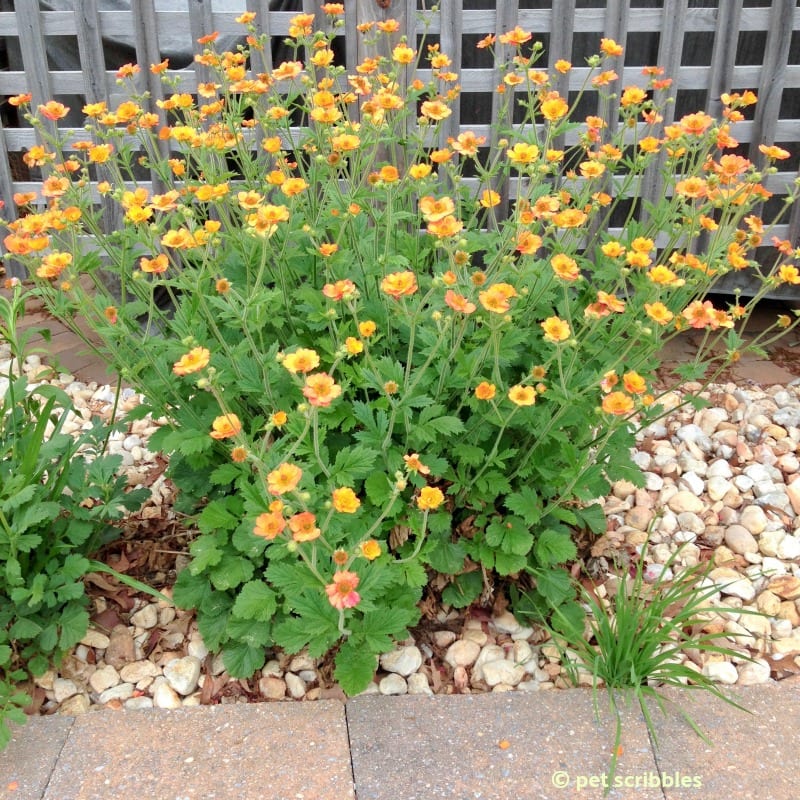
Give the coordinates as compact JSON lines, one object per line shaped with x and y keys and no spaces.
{"x":509,"y":563}
{"x":74,"y":622}
{"x":255,"y":601}
{"x":380,"y":627}
{"x":554,"y":585}
{"x":24,"y":629}
{"x":352,"y":464}
{"x":242,"y":660}
{"x":554,"y":547}
{"x":225,"y":474}
{"x":231,"y":572}
{"x":378,"y":488}
{"x":526,"y":503}
{"x":256,"y":634}
{"x":205,"y":552}
{"x":35,"y":515}
{"x":212,"y":619}
{"x":447,"y":557}
{"x":464,"y":591}
{"x":190,"y":590}
{"x":511,"y":535}
{"x":19,"y":498}
{"x":355,"y":667}
{"x":469,"y":454}
{"x":216,"y":516}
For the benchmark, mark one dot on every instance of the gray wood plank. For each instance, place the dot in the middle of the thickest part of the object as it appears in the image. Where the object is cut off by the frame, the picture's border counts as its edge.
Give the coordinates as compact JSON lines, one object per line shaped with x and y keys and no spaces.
{"x":723,"y":56}
{"x":201,"y":23}
{"x":261,"y":59}
{"x":562,"y":35}
{"x":451,"y":44}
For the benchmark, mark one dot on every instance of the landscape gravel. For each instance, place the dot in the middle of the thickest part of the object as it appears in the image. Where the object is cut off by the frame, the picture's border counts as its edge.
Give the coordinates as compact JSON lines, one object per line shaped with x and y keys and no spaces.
{"x":721,"y":484}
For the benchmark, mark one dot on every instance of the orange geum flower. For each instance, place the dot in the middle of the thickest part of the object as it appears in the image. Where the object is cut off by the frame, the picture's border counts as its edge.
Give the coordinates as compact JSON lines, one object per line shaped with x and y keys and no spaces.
{"x":345,"y":500}
{"x":774,"y":152}
{"x":287,"y":70}
{"x":399,"y":284}
{"x":269,"y":525}
{"x":693,"y":187}
{"x":353,"y":346}
{"x":634,"y":383}
{"x":20,"y":99}
{"x":341,"y":290}
{"x":344,"y":142}
{"x":413,"y":464}
{"x":641,"y":244}
{"x":649,"y":144}
{"x":565,"y":267}
{"x":591,"y":169}
{"x":370,"y":549}
{"x":367,"y":328}
{"x":430,"y":498}
{"x":487,"y":41}
{"x":53,"y":110}
{"x":302,"y":360}
{"x":604,"y":78}
{"x":321,"y":390}
{"x":485,"y":390}
{"x":24,"y":198}
{"x":181,"y":239}
{"x":467,"y":143}
{"x":610,"y":47}
{"x":613,"y":249}
{"x":279,"y":419}
{"x":434,"y":210}
{"x":556,"y":330}
{"x":435,"y":110}
{"x":284,"y":478}
{"x":225,"y":427}
{"x":618,"y":404}
{"x":100,"y":153}
{"x":458,"y":302}
{"x":522,"y":395}
{"x":322,"y":58}
{"x":327,"y":249}
{"x":632,"y":96}
{"x":193,"y":361}
{"x":489,"y":198}
{"x":495,"y":298}
{"x":563,"y":66}
{"x":403,"y":54}
{"x":418,"y":171}
{"x":658,"y":312}
{"x":446,"y":227}
{"x":696,"y":124}
{"x":304,"y":527}
{"x":53,"y":265}
{"x":441,"y":156}
{"x":554,"y":108}
{"x":249,"y":200}
{"x":523,"y":153}
{"x":154,"y":266}
{"x":239,"y":454}
{"x":569,"y":218}
{"x":389,"y":174}
{"x":516,"y":36}
{"x":342,"y":592}
{"x":528,"y":243}
{"x":664,"y":276}
{"x":333,"y":9}
{"x":788,"y":273}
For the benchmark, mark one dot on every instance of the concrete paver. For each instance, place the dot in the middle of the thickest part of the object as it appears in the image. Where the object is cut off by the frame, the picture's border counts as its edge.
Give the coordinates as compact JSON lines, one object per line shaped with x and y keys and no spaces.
{"x":750,"y":755}
{"x":494,"y":747}
{"x":266,"y":751}
{"x":28,"y":761}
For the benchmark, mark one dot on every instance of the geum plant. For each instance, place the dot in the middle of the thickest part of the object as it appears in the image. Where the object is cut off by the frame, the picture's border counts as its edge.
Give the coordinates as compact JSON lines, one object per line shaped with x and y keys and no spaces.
{"x":370,"y":376}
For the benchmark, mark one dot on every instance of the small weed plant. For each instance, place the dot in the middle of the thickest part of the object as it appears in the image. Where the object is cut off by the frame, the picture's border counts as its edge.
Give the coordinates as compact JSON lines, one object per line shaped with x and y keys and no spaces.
{"x":58,"y":497}
{"x":371,"y":373}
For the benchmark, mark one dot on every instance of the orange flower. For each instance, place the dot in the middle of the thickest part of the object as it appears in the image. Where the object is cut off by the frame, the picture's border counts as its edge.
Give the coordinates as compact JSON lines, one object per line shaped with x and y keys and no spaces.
{"x":430,"y":498}
{"x":610,"y":47}
{"x":485,"y":390}
{"x":284,"y":478}
{"x":279,"y":419}
{"x":787,"y":273}
{"x":522,"y":395}
{"x":111,"y":314}
{"x":320,"y":389}
{"x":658,"y":312}
{"x":434,"y":210}
{"x":634,"y":383}
{"x":225,"y":427}
{"x":193,"y":361}
{"x":696,"y":124}
{"x":370,"y":549}
{"x":304,"y":527}
{"x":399,"y":284}
{"x":556,"y":330}
{"x":664,"y":276}
{"x":239,"y":454}
{"x":522,"y":153}
{"x":443,"y":228}
{"x":528,"y":243}
{"x":618,"y":404}
{"x":269,"y":525}
{"x":155,"y":265}
{"x":341,"y":290}
{"x":563,"y":66}
{"x":367,"y":328}
{"x":342,"y":592}
{"x":458,"y":302}
{"x":516,"y":37}
{"x":353,"y":346}
{"x":327,"y":249}
{"x":565,"y":267}
{"x":632,"y":96}
{"x":345,"y":500}
{"x":415,"y":465}
{"x":490,"y":198}
{"x":435,"y":110}
{"x":774,"y":152}
{"x":53,"y":110}
{"x":495,"y":298}
{"x":554,"y":108}
{"x":569,"y":218}
{"x":302,"y":360}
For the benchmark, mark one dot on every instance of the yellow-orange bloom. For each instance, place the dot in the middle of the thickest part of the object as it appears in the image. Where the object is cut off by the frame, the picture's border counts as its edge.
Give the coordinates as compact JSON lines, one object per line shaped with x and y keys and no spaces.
{"x":341,"y":290}
{"x":370,"y":549}
{"x":565,"y":267}
{"x":556,"y":330}
{"x":610,"y":47}
{"x":495,"y":298}
{"x":304,"y":527}
{"x":485,"y":390}
{"x":284,"y":478}
{"x":225,"y":427}
{"x":446,"y":227}
{"x":193,"y":361}
{"x":302,"y":360}
{"x":434,"y":210}
{"x":634,"y":383}
{"x":554,"y":108}
{"x":522,"y":395}
{"x":490,"y":198}
{"x":659,"y":313}
{"x":435,"y":110}
{"x":516,"y":36}
{"x":345,"y":500}
{"x":430,"y":498}
{"x":528,"y":243}
{"x":415,"y":465}
{"x":399,"y":284}
{"x":269,"y":525}
{"x":155,"y":265}
{"x":321,"y":390}
{"x":617,"y":404}
{"x":458,"y":302}
{"x":523,"y":153}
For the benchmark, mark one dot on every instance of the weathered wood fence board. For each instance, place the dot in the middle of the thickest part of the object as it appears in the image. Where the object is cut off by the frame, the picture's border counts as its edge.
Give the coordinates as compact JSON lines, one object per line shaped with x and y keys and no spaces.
{"x":756,"y":45}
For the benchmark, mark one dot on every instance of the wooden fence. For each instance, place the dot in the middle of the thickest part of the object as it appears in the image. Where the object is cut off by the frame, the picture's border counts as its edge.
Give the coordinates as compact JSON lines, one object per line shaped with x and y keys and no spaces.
{"x":708,"y":46}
